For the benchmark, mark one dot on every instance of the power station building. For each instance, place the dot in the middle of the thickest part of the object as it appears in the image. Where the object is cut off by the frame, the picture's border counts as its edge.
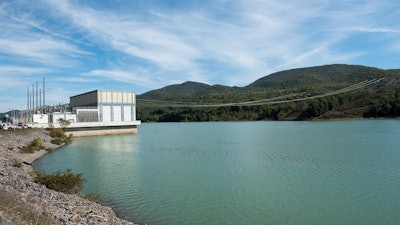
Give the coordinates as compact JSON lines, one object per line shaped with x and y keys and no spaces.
{"x":104,"y":106}
{"x":103,"y":112}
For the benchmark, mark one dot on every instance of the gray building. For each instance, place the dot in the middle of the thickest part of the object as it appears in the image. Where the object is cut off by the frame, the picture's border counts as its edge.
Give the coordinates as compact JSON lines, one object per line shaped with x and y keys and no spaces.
{"x":104,"y":106}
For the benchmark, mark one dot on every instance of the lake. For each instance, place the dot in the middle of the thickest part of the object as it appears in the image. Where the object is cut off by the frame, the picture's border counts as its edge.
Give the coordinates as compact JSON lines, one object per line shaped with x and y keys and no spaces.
{"x":325,"y":172}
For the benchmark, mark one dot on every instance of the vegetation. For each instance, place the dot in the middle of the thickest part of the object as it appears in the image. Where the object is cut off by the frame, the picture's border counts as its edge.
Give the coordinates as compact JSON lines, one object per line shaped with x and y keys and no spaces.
{"x":187,"y":102}
{"x":57,"y":133}
{"x":94,"y":197}
{"x":64,"y":123}
{"x":17,"y":163}
{"x":35,"y":145}
{"x":59,"y":136}
{"x":65,"y":181}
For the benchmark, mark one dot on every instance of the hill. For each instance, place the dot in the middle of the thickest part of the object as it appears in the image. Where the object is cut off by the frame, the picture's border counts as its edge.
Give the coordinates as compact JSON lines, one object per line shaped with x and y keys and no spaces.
{"x":186,"y":89}
{"x":329,"y":75}
{"x":321,"y":92}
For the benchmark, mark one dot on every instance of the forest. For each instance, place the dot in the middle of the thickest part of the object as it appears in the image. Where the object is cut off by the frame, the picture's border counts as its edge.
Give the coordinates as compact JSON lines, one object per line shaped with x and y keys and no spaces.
{"x":315,"y":93}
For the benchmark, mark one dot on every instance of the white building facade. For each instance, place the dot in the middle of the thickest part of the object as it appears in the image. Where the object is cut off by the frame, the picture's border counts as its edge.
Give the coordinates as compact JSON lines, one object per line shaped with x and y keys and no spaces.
{"x":104,"y":106}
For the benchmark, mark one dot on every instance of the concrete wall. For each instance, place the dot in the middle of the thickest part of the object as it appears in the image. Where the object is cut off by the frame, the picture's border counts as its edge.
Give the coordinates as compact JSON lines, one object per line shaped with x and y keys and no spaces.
{"x":102,"y":128}
{"x":105,"y":113}
{"x":40,"y":118}
{"x":127,"y":113}
{"x":55,"y":117}
{"x":84,"y":133}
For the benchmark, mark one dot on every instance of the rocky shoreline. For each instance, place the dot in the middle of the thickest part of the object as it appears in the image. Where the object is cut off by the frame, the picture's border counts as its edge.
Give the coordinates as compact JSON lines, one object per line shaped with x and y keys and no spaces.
{"x":24,"y":202}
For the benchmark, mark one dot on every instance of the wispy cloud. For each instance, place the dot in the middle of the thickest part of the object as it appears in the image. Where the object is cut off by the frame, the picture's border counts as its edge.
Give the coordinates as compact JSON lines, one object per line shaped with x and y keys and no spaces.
{"x":43,"y":51}
{"x":246,"y":36}
{"x":12,"y":70}
{"x":132,"y":77}
{"x":149,"y":45}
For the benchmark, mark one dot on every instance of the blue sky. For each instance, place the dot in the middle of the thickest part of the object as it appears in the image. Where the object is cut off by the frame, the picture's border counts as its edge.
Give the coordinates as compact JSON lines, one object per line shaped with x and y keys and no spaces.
{"x":141,"y":45}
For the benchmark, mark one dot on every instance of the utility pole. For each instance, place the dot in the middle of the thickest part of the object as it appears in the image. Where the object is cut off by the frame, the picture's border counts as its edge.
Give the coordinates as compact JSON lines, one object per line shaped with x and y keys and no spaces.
{"x":44,"y":96}
{"x":40,"y":97}
{"x":27,"y":105}
{"x":33,"y":99}
{"x":37,"y":100}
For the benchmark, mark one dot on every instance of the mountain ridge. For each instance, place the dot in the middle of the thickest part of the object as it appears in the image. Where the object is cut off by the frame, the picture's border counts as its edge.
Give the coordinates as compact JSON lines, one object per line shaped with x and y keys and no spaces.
{"x":334,"y":74}
{"x":303,"y":93}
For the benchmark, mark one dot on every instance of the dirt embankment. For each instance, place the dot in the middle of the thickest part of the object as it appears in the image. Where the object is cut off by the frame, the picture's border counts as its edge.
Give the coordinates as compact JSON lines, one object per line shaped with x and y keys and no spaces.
{"x":24,"y":202}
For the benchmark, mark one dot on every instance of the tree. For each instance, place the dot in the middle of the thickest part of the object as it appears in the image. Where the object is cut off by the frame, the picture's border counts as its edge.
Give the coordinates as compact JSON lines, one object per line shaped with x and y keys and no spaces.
{"x":64,"y":123}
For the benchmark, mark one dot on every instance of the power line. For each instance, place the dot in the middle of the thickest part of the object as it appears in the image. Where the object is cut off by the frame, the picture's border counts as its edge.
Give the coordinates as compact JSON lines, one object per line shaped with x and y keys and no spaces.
{"x":268,"y":101}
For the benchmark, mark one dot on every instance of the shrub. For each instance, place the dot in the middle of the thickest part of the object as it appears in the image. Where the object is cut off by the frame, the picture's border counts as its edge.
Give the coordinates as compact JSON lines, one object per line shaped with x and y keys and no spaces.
{"x":94,"y":197}
{"x":36,"y":142}
{"x":59,"y":136}
{"x":17,"y":163}
{"x":68,"y":140}
{"x":57,"y":141}
{"x":57,"y":133}
{"x":64,"y":181}
{"x":35,"y":145}
{"x":64,"y":123}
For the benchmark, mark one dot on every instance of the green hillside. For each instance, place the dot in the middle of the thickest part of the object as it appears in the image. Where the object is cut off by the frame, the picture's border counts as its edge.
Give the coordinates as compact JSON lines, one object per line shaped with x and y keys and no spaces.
{"x":186,"y":89}
{"x":321,"y":92}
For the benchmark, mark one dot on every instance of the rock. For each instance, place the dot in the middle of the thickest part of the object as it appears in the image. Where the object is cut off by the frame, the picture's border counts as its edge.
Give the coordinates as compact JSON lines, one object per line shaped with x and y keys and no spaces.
{"x":74,"y":218}
{"x":98,"y":218}
{"x":18,"y":189}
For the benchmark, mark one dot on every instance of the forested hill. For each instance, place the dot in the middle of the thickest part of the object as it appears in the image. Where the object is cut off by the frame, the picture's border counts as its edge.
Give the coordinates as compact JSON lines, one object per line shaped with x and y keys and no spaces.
{"x":329,"y":75}
{"x":321,"y":92}
{"x":186,"y":89}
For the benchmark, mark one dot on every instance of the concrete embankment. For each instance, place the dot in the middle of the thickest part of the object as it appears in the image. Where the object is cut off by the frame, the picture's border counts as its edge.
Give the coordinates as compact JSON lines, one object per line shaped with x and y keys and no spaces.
{"x":24,"y":202}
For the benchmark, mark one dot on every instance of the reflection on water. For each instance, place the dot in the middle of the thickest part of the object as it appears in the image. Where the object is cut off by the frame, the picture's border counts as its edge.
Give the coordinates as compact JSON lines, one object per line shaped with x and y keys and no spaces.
{"x":338,"y":172}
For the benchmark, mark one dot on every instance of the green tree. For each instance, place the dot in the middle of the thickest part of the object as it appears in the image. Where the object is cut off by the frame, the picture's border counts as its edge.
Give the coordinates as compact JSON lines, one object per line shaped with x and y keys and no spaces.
{"x":64,"y":123}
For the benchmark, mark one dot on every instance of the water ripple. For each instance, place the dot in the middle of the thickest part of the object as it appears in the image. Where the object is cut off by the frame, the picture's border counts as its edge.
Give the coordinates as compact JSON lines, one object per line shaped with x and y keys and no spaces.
{"x":342,"y":172}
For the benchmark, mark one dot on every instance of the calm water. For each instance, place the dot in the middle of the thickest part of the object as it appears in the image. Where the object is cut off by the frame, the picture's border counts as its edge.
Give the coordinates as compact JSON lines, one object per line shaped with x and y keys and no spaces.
{"x":337,"y":172}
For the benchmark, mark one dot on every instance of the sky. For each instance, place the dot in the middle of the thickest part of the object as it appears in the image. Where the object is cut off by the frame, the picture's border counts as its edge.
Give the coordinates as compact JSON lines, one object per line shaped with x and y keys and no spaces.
{"x":140,"y":45}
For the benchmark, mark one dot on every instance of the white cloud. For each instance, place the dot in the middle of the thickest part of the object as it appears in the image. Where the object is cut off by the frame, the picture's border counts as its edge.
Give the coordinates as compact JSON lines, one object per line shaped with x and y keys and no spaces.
{"x":136,"y":38}
{"x":242,"y":37}
{"x":12,"y":70}
{"x":224,"y":42}
{"x":44,"y":51}
{"x":123,"y":76}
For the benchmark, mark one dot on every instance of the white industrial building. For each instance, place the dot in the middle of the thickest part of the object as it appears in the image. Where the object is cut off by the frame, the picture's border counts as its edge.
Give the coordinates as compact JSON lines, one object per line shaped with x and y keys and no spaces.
{"x":94,"y":113}
{"x":56,"y":116}
{"x":104,"y":112}
{"x":104,"y":106}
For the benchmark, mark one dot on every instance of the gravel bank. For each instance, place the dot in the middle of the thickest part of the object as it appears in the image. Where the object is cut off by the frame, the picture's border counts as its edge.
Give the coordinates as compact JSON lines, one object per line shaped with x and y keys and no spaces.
{"x":25,"y":202}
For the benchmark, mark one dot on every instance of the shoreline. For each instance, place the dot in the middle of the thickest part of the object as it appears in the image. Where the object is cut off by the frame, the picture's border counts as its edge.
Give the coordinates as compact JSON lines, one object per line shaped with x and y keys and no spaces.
{"x":24,"y":202}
